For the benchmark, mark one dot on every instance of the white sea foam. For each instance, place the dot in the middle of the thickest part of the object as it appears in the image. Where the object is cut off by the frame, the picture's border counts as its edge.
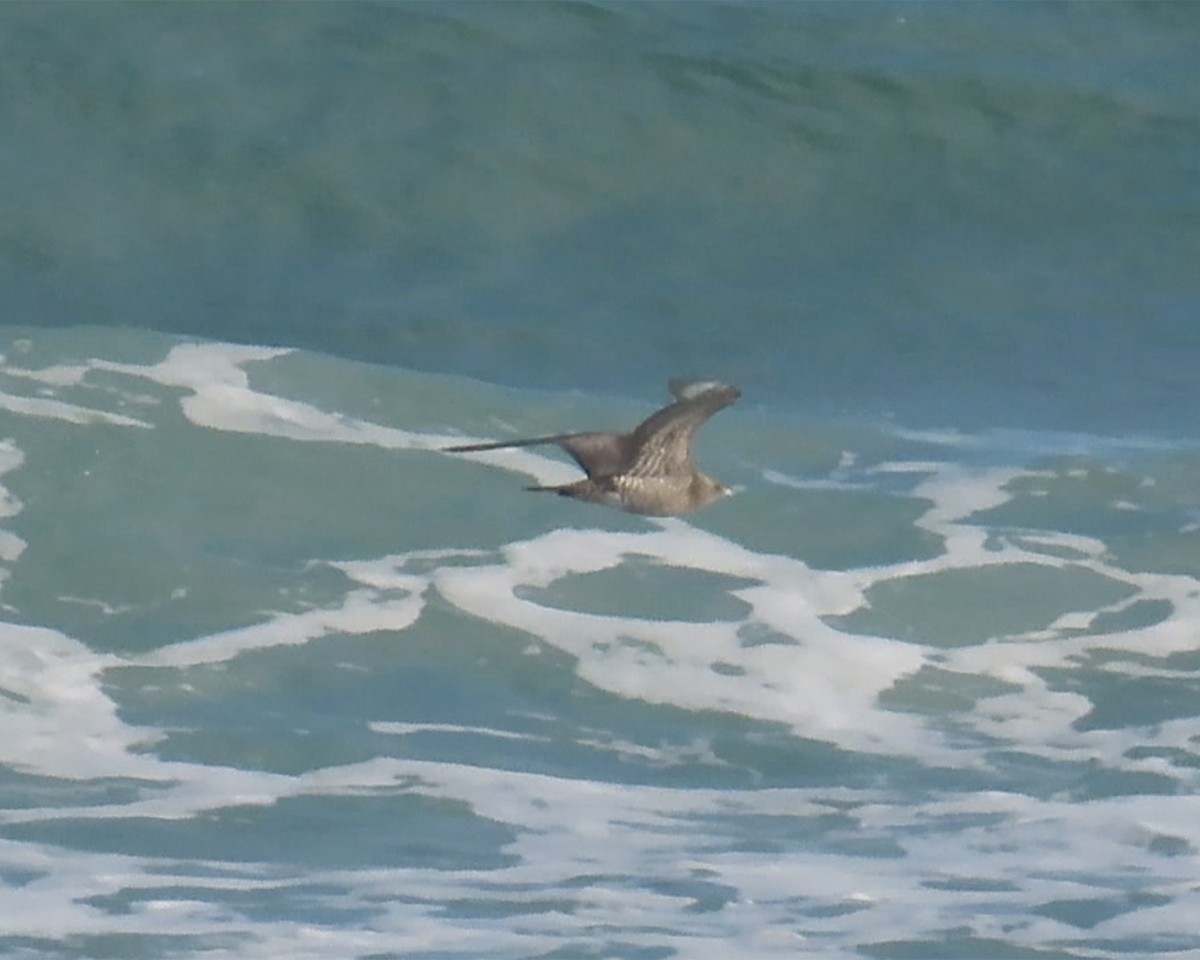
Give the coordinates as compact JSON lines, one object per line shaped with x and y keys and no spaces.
{"x":68,"y":412}
{"x":220,"y":398}
{"x":11,"y":546}
{"x":58,"y":721}
{"x":49,"y":406}
{"x":360,"y":612}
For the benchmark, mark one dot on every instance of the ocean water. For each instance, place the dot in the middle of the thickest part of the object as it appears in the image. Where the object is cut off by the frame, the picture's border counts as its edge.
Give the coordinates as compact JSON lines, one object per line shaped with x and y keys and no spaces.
{"x":280,"y":678}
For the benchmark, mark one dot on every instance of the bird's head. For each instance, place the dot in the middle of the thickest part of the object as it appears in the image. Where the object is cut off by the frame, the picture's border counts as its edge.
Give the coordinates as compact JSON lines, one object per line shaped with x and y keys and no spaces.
{"x":706,"y":490}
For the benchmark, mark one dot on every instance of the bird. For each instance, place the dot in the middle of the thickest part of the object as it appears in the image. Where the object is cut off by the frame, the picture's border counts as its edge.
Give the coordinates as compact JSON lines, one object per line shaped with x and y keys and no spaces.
{"x":648,"y":470}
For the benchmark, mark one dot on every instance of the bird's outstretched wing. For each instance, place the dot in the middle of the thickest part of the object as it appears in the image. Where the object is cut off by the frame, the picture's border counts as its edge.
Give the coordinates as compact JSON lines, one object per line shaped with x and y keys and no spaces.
{"x":662,"y":444}
{"x":599,"y":454}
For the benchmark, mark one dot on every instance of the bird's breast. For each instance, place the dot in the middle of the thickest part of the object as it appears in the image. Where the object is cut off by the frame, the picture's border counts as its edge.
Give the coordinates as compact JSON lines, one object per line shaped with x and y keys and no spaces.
{"x":656,"y":496}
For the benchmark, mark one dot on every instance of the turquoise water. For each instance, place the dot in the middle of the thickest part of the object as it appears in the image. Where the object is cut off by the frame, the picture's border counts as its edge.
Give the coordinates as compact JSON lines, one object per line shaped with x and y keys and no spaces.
{"x":957,"y":214}
{"x":279,"y":678}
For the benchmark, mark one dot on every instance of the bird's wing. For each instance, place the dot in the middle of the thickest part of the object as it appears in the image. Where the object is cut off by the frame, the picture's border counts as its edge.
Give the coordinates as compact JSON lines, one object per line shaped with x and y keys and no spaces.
{"x":662,"y":444}
{"x":599,"y":454}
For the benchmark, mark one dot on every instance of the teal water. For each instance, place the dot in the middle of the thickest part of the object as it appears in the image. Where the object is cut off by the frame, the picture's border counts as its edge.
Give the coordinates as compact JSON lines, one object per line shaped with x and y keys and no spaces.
{"x":279,"y":678}
{"x":957,"y":214}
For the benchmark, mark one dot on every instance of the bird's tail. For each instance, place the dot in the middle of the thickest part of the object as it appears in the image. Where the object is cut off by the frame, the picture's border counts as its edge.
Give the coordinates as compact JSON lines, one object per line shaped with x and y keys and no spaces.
{"x":501,"y":444}
{"x":580,"y":490}
{"x":562,"y":489}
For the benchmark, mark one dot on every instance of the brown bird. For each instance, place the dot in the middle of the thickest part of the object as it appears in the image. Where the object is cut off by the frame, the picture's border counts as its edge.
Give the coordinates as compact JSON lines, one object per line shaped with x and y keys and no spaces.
{"x":648,"y":470}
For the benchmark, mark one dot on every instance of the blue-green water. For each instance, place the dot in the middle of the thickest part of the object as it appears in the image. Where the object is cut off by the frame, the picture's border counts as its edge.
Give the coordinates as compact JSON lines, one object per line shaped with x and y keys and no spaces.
{"x":279,"y":678}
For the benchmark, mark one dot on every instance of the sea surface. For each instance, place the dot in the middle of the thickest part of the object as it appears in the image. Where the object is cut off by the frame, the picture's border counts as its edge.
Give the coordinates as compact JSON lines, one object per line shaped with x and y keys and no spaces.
{"x":281,"y":679}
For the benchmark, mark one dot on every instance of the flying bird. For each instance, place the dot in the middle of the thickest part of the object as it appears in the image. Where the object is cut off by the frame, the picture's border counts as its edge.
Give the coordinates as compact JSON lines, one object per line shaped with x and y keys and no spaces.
{"x":648,"y":470}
